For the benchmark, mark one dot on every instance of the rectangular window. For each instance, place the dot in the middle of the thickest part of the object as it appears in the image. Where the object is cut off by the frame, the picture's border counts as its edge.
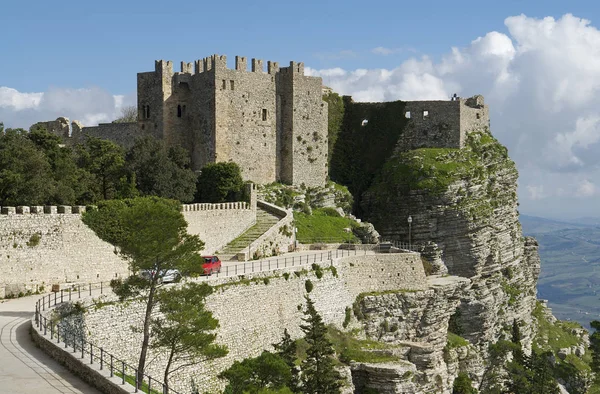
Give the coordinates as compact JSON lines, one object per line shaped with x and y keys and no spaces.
{"x":232,"y":84}
{"x":224,"y":84}
{"x":264,"y":114}
{"x":407,"y":115}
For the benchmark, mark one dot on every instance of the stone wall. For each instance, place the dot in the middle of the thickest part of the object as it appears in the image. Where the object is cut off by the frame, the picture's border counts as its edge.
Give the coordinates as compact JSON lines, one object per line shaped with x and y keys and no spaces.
{"x":275,"y":241}
{"x":123,"y":134}
{"x":252,"y":316}
{"x":39,"y":249}
{"x":218,"y":224}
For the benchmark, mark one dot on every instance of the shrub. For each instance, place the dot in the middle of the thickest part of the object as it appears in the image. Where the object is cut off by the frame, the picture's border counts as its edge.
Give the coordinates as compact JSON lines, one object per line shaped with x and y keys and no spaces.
{"x":334,"y":271}
{"x":34,"y":240}
{"x":463,"y":384}
{"x":348,"y":317}
{"x":308,"y":285}
{"x":266,"y":281}
{"x":328,"y":211}
{"x":286,"y":275}
{"x":427,"y":266}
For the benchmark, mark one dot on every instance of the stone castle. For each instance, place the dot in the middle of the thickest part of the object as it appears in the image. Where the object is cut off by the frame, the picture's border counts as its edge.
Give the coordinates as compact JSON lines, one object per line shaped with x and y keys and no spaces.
{"x":273,"y":123}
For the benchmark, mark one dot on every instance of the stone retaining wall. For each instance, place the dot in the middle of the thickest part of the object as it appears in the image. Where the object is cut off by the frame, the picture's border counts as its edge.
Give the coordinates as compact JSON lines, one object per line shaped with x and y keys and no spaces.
{"x":40,"y":246}
{"x":252,"y":315}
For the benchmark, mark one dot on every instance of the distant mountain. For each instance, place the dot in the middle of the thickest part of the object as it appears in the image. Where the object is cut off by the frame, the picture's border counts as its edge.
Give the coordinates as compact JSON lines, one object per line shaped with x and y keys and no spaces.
{"x":570,"y":275}
{"x":535,"y":224}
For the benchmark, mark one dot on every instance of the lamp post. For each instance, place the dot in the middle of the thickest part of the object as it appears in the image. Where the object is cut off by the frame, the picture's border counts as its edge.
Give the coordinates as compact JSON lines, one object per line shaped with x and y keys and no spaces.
{"x":409,"y":228}
{"x":295,"y":238}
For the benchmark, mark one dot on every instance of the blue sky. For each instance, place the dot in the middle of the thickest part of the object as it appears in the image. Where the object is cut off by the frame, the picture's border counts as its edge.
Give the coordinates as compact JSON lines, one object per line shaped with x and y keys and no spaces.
{"x":105,"y":43}
{"x":536,"y":62}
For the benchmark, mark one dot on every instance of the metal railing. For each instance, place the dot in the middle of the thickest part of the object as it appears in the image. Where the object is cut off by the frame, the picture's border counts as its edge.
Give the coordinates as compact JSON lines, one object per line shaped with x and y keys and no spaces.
{"x":78,"y":344}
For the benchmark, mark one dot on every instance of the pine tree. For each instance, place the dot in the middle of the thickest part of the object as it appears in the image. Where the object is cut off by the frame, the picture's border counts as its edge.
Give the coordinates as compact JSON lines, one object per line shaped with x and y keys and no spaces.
{"x":318,"y":373}
{"x":286,"y":349}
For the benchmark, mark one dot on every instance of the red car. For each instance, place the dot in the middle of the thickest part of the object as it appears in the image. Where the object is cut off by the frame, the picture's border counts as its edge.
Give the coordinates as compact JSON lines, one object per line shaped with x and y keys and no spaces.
{"x":211,"y":264}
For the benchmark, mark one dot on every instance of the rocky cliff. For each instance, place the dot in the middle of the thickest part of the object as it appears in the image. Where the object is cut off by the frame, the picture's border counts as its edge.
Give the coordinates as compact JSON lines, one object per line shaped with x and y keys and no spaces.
{"x":463,"y":205}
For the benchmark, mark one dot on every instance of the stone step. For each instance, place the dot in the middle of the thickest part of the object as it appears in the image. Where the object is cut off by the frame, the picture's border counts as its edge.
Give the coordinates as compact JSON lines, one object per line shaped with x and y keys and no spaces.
{"x":264,"y":221}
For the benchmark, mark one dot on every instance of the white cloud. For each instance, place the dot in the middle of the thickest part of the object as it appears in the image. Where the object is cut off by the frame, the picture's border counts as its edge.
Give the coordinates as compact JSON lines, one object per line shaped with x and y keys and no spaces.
{"x":90,"y":106}
{"x":385,"y":51}
{"x":586,"y":189}
{"x":536,"y":192}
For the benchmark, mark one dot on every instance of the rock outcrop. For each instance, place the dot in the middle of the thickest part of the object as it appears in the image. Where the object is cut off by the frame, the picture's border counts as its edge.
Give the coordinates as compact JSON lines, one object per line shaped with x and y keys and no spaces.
{"x":464,"y":202}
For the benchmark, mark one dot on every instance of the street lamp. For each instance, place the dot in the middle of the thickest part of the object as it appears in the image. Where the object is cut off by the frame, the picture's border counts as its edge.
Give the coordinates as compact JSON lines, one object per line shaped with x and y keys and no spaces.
{"x":409,"y":228}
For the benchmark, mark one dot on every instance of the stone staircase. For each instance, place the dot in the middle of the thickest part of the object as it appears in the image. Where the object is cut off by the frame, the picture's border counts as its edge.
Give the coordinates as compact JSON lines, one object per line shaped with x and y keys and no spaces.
{"x":264,"y":221}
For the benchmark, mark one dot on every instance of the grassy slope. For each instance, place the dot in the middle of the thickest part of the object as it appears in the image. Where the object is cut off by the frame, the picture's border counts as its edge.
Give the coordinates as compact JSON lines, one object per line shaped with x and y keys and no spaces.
{"x":319,"y":227}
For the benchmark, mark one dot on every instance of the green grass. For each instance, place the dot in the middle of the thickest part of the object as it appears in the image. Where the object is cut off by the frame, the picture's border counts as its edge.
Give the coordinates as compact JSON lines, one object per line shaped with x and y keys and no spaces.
{"x":321,"y":227}
{"x":558,"y":335}
{"x":348,"y":348}
{"x":455,"y":341}
{"x":144,"y":388}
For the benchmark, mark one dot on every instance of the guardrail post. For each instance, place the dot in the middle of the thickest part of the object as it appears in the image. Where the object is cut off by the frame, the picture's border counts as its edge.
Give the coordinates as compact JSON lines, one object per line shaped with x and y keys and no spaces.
{"x":123,"y":373}
{"x":111,"y":366}
{"x":54,"y":299}
{"x":79,"y":290}
{"x":65,"y":338}
{"x":90,"y":286}
{"x":101,"y":358}
{"x":70,"y":292}
{"x":51,"y":331}
{"x":149,"y":384}
{"x":101,"y":288}
{"x":91,"y":354}
{"x":82,"y":347}
{"x":57,"y":333}
{"x":61,"y":296}
{"x":45,"y":326}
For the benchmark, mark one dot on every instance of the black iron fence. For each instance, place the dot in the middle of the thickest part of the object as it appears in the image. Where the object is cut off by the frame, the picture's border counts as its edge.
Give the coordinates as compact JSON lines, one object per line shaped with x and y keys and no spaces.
{"x":76,"y":342}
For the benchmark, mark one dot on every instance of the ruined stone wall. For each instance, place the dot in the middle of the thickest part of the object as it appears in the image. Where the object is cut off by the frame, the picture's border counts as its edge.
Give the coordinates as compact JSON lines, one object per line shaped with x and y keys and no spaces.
{"x":432,"y":124}
{"x":66,"y":250}
{"x":252,"y":316}
{"x":218,"y":224}
{"x":474,"y":116}
{"x":123,"y":134}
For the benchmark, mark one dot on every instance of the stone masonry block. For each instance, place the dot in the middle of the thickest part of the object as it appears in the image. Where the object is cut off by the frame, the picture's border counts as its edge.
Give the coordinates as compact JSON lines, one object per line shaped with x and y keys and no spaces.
{"x":22,"y":210}
{"x":36,"y":209}
{"x":64,"y":209}
{"x":50,"y":209}
{"x":9,"y":210}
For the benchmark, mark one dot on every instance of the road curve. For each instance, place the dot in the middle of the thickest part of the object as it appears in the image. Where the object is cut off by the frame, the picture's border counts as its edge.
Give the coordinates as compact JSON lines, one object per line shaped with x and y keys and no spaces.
{"x":25,"y":369}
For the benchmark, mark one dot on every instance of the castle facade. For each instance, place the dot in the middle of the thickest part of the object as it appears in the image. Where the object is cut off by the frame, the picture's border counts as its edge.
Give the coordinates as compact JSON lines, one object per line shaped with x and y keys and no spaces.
{"x":273,"y":123}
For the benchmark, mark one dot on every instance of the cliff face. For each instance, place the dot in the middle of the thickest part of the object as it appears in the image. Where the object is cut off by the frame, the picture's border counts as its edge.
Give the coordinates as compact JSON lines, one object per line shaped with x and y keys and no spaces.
{"x":463,"y":204}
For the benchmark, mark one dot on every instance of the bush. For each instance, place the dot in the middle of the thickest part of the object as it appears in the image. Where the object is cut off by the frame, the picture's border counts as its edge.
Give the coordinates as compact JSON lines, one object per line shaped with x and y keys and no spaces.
{"x":308,"y":285}
{"x":328,"y":211}
{"x":34,"y":240}
{"x":463,"y":384}
{"x":348,"y":317}
{"x":219,"y":182}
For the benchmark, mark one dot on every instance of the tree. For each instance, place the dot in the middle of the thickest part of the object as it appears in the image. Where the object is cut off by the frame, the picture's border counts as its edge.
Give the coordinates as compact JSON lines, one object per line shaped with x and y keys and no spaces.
{"x":286,"y":349}
{"x":25,"y":173}
{"x":105,"y":160}
{"x":151,"y":233}
{"x":463,"y":384}
{"x":253,"y":375}
{"x":318,"y":372}
{"x":129,"y":114}
{"x":184,"y":329}
{"x":162,"y":172}
{"x":219,"y":182}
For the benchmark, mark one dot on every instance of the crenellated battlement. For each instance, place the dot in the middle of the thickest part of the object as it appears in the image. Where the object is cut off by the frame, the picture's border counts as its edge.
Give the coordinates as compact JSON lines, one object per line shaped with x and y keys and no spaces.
{"x":219,"y":206}
{"x":43,"y":210}
{"x":219,"y":62}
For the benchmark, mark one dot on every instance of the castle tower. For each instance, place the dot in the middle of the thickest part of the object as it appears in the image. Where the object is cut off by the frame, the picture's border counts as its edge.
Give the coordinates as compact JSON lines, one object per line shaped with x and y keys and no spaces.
{"x":303,"y":157}
{"x":272,"y":122}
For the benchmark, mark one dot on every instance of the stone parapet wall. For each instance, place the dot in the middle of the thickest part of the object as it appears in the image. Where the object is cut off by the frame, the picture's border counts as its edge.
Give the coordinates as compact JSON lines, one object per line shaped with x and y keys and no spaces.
{"x":44,"y":249}
{"x":252,"y":316}
{"x":218,"y":224}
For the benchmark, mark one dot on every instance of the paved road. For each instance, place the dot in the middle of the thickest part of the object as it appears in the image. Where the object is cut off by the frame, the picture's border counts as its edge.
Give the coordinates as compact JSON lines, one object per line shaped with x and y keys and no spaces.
{"x":25,"y":369}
